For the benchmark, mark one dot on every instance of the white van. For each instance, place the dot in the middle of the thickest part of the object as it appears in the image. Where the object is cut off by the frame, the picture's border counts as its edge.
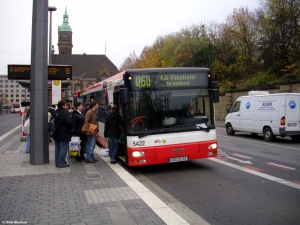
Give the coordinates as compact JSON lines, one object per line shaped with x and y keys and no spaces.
{"x":271,"y":115}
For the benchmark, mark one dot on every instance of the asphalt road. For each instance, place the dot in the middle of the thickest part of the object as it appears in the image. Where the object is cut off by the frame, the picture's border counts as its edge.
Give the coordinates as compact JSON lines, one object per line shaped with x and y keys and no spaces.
{"x":251,"y":182}
{"x":8,"y":122}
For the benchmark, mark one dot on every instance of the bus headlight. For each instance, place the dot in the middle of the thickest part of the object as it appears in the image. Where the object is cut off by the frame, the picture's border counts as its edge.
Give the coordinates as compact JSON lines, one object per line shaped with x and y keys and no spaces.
{"x":138,"y":153}
{"x":212,"y":146}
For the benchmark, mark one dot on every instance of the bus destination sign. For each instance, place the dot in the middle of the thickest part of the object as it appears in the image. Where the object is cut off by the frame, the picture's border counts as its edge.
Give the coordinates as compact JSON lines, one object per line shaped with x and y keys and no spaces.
{"x":170,"y":80}
{"x":55,"y":72}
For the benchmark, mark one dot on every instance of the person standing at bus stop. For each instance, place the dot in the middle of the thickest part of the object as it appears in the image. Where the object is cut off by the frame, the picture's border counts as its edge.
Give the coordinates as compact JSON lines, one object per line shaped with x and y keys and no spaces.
{"x":90,"y":117}
{"x":62,"y":135}
{"x":112,"y":131}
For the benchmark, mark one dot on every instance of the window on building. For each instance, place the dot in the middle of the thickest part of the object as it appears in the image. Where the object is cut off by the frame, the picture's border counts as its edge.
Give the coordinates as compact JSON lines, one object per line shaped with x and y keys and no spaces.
{"x":6,"y":81}
{"x":12,"y":100}
{"x":6,"y":86}
{"x":6,"y":96}
{"x":11,"y":95}
{"x":1,"y":81}
{"x":1,"y":85}
{"x":17,"y":86}
{"x":11,"y":91}
{"x":6,"y":91}
{"x":22,"y":96}
{"x":17,"y":100}
{"x":12,"y":86}
{"x":17,"y":91}
{"x":23,"y":90}
{"x":77,"y":87}
{"x":104,"y":77}
{"x":28,"y":96}
{"x":12,"y":81}
{"x":17,"y":96}
{"x":90,"y":84}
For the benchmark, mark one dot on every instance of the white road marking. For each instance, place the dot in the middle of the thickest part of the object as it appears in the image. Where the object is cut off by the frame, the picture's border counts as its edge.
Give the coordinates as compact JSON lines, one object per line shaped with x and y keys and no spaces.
{"x":240,"y":161}
{"x":280,"y":166}
{"x":266,"y":176}
{"x":158,"y":206}
{"x":265,"y":143}
{"x":242,"y":156}
{"x":10,"y":132}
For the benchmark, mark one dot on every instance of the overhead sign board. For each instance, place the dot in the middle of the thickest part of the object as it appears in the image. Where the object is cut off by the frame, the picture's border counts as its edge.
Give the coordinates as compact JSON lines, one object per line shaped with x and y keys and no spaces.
{"x":55,"y":72}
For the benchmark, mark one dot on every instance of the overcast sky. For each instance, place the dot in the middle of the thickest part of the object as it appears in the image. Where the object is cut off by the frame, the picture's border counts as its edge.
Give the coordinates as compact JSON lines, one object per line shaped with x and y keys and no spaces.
{"x":124,"y":25}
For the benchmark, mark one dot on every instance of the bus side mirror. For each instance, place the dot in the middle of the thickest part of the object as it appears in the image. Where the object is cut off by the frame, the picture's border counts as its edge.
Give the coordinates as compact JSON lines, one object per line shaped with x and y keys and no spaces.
{"x":215,"y":95}
{"x":124,"y":96}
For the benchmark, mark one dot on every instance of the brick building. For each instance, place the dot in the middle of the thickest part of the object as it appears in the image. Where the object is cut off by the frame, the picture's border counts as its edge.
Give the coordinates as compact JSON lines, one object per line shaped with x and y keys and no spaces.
{"x":87,"y":69}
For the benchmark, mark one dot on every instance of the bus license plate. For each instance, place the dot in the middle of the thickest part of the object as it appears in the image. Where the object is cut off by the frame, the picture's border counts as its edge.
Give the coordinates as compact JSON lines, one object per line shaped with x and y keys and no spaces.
{"x":178,"y":159}
{"x":292,"y":124}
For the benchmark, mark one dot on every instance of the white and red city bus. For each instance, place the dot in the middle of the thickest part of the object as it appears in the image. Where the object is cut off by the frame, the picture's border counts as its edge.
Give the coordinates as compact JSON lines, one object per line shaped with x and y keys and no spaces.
{"x":153,"y":104}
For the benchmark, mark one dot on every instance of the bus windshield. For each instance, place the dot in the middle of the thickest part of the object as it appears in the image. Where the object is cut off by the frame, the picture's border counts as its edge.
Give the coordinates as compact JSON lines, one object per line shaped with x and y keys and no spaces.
{"x":180,"y":109}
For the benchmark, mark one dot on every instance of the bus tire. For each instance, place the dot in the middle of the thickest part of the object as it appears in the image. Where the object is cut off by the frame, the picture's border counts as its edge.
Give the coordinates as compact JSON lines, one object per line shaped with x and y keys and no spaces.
{"x":229,"y":129}
{"x":268,"y":134}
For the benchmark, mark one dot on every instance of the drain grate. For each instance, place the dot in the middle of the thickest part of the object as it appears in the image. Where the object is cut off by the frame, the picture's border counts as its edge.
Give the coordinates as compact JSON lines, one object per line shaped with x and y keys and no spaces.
{"x":93,"y":176}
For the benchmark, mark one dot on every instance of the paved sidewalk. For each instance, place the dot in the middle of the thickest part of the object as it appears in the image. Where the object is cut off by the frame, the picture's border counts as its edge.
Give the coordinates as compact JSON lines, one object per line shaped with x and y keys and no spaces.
{"x":99,"y":193}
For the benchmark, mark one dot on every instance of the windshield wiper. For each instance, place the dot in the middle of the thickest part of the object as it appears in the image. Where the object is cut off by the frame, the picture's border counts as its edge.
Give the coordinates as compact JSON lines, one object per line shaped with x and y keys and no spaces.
{"x":165,"y":130}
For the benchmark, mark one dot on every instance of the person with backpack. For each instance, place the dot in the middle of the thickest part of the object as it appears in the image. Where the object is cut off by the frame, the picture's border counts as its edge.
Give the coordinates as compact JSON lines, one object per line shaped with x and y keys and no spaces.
{"x":78,"y":120}
{"x":62,"y":134}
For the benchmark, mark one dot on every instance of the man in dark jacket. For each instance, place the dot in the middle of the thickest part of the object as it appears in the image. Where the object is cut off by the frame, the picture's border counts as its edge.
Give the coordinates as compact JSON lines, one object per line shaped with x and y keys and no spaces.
{"x":78,"y":120}
{"x":62,"y":134}
{"x":112,"y":132}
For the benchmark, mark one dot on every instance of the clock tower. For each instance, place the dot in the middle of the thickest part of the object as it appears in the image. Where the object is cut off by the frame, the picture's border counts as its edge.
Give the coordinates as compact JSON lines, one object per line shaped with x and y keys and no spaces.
{"x":65,"y":36}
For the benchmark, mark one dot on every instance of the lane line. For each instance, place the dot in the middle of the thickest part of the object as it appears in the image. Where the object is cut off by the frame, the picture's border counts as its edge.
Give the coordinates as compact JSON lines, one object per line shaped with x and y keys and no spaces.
{"x":266,"y":176}
{"x":280,"y":166}
{"x":10,"y":132}
{"x":259,"y":142}
{"x":242,"y":156}
{"x":157,"y":205}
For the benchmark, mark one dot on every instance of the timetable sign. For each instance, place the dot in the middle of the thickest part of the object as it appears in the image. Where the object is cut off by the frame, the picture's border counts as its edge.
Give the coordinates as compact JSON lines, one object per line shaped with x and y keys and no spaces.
{"x":55,"y":72}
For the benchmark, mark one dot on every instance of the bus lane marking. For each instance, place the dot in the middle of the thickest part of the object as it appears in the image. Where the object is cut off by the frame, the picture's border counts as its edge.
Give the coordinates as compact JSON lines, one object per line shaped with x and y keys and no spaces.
{"x":280,"y":166}
{"x":266,"y":176}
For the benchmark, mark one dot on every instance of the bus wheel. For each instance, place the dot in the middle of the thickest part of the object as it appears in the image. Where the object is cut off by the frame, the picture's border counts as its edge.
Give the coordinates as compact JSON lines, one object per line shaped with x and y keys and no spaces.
{"x":268,"y":134}
{"x":295,"y":138}
{"x":229,"y":129}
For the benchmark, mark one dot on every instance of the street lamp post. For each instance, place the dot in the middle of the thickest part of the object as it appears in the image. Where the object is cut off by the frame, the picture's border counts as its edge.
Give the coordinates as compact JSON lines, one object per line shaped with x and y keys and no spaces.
{"x":50,"y":9}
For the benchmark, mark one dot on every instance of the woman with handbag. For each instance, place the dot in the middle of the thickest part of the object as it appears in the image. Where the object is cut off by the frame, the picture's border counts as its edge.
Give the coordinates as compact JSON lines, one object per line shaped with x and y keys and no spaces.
{"x":91,"y":117}
{"x":78,"y":121}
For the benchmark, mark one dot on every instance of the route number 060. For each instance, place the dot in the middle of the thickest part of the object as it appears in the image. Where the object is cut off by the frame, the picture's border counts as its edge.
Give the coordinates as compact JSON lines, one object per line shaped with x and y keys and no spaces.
{"x":142,"y":81}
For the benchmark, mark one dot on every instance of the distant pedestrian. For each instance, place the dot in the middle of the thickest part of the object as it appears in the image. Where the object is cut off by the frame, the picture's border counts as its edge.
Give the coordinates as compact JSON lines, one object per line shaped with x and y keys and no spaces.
{"x":51,"y":109}
{"x":87,"y":108}
{"x":62,"y":134}
{"x":91,"y":117}
{"x":101,"y":113}
{"x":112,"y":131}
{"x":78,"y":121}
{"x":26,"y":117}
